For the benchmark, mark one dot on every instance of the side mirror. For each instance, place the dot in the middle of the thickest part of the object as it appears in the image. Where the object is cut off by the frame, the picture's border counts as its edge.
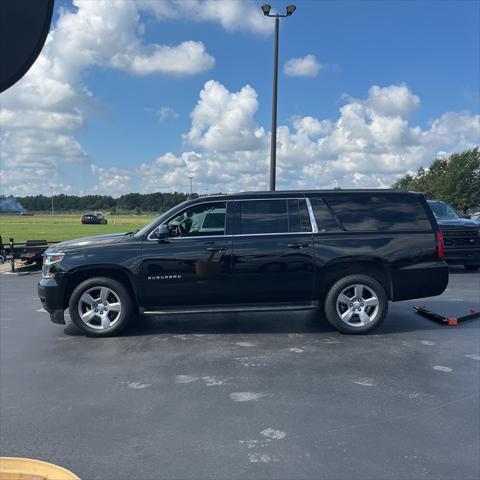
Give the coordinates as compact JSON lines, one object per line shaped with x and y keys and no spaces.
{"x":161,"y":232}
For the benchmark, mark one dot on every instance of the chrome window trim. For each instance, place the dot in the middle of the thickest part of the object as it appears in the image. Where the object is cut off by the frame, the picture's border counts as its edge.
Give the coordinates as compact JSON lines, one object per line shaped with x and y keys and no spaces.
{"x":269,"y":234}
{"x":313,"y":220}
{"x":265,"y":199}
{"x":199,"y":236}
{"x":234,"y":235}
{"x":307,"y":201}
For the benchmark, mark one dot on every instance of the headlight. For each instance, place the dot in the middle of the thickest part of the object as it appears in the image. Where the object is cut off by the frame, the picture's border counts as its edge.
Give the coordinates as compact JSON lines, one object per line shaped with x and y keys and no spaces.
{"x":50,"y":259}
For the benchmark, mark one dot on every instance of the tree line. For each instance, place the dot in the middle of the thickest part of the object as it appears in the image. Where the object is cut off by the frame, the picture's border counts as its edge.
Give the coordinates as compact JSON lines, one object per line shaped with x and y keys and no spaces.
{"x":129,"y":203}
{"x":455,"y":180}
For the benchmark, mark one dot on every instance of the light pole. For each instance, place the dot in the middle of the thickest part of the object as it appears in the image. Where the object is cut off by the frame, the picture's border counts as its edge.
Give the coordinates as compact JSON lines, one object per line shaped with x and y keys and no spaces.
{"x":51,"y":191}
{"x":191,"y":185}
{"x":273,"y":141}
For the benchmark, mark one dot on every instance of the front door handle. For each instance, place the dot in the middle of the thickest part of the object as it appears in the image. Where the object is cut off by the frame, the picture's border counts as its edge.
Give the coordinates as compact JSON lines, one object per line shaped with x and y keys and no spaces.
{"x":297,"y":245}
{"x":216,"y":249}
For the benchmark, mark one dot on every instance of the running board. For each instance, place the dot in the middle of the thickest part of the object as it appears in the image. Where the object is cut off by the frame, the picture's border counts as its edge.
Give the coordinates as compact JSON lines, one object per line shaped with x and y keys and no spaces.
{"x":271,"y":308}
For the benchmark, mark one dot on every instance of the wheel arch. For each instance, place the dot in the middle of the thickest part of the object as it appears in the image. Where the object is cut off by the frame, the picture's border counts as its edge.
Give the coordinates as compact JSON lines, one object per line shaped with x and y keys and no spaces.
{"x":338,"y":268}
{"x":114,"y":272}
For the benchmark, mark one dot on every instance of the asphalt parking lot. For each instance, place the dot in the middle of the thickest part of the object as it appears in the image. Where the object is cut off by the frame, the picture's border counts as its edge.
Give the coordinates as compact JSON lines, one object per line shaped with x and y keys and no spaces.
{"x":246,"y":396}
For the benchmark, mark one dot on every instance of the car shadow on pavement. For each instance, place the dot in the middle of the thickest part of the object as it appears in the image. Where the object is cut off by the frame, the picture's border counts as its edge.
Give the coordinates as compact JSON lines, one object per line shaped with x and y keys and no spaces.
{"x":459,"y":270}
{"x":262,"y":323}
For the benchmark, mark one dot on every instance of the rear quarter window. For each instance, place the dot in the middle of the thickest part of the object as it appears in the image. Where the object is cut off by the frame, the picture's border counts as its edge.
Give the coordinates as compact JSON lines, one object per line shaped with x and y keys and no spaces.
{"x":325,"y":221}
{"x":379,"y":212}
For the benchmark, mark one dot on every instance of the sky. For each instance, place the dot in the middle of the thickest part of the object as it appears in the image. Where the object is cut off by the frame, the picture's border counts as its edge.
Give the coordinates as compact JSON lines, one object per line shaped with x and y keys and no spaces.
{"x":140,"y":95}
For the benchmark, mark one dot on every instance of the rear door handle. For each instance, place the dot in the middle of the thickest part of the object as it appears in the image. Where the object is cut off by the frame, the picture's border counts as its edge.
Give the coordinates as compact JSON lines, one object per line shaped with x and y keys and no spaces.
{"x":216,"y":249}
{"x":297,"y":245}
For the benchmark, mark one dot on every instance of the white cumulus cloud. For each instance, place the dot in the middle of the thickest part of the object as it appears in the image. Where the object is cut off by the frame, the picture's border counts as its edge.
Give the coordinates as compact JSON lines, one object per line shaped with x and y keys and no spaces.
{"x":224,"y":121}
{"x":41,"y":114}
{"x":232,"y":15}
{"x":307,"y":66}
{"x":110,"y":181}
{"x":187,"y":58}
{"x":369,"y":144}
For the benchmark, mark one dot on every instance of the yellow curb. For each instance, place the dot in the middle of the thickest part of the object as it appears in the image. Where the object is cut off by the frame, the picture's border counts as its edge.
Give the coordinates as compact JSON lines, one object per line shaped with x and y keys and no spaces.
{"x":27,"y":469}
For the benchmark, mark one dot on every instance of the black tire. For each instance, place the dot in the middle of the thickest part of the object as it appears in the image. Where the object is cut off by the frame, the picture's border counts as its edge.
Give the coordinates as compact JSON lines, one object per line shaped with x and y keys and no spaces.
{"x":102,"y":222}
{"x":375,"y":313}
{"x":98,"y":325}
{"x":471,"y":268}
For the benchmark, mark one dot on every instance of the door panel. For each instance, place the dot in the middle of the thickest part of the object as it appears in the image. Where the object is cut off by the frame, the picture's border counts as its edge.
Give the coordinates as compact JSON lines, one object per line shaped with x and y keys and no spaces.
{"x":193,"y":265}
{"x":273,"y":268}
{"x":273,"y":253}
{"x":185,"y":272}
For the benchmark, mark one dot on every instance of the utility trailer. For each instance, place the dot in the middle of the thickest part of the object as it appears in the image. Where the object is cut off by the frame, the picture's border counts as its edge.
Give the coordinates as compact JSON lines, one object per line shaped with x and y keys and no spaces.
{"x":28,"y":251}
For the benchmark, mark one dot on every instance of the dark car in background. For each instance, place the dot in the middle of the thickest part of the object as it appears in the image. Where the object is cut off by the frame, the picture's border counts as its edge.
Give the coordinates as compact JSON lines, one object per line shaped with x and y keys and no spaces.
{"x":461,"y":236}
{"x":347,"y":253}
{"x":94,"y":217}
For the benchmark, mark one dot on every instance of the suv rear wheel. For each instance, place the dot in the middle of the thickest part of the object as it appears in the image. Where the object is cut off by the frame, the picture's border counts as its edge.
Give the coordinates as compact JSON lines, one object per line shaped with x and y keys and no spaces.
{"x":101,"y":307}
{"x":356,"y":304}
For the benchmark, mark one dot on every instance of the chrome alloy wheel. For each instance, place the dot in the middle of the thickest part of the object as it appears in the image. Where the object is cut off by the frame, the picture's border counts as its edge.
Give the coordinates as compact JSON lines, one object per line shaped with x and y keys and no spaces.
{"x":99,"y":308}
{"x":357,"y":305}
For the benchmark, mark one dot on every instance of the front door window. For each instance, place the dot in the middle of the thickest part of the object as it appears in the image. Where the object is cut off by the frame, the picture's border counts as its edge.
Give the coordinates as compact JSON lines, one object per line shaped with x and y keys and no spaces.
{"x":200,"y":220}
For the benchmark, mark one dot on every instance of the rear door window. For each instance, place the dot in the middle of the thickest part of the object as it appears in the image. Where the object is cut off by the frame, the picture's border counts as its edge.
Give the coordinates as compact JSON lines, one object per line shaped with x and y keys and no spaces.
{"x":298,"y":218}
{"x":261,"y":217}
{"x":364,"y":212}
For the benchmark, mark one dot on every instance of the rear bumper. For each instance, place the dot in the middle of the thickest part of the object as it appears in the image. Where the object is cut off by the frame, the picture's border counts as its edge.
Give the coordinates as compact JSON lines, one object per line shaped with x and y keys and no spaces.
{"x":462,"y":256}
{"x":420,"y":280}
{"x":50,"y":292}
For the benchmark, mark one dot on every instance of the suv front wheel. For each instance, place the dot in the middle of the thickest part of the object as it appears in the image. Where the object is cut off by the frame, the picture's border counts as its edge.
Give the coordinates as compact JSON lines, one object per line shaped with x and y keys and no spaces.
{"x":356,"y":304}
{"x":101,"y":307}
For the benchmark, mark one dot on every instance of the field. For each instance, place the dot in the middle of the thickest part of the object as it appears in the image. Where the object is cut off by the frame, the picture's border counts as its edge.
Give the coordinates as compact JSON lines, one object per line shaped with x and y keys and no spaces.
{"x":56,"y":228}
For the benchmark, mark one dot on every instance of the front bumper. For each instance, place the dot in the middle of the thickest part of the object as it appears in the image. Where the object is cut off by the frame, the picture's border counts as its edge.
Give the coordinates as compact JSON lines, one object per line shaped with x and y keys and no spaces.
{"x":462,"y":256}
{"x":50,"y":292}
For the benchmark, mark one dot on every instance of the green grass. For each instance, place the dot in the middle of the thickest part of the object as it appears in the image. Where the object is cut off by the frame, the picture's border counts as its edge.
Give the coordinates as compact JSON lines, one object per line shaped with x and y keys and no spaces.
{"x":56,"y":228}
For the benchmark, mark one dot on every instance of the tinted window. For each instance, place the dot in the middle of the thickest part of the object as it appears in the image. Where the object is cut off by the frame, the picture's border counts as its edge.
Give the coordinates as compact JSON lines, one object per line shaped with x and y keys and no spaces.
{"x":443,"y":211}
{"x":379,"y":212}
{"x":298,"y":218}
{"x":323,"y":217}
{"x":262,"y":216}
{"x":204,"y":219}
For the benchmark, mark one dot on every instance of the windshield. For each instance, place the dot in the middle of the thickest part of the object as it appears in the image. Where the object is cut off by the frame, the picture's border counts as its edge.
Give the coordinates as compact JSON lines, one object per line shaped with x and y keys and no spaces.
{"x":443,"y":211}
{"x":157,"y":221}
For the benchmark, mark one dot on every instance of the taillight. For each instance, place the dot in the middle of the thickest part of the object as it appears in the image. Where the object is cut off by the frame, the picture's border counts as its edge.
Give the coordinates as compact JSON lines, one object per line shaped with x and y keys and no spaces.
{"x":440,"y":245}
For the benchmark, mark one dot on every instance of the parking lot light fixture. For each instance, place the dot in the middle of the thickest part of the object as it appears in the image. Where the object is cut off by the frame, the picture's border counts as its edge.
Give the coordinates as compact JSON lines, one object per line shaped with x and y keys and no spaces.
{"x":266,"y":9}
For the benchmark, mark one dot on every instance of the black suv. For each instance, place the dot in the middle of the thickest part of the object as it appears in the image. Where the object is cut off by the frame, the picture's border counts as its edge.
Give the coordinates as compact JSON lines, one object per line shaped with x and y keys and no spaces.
{"x":460,"y":235}
{"x":349,"y":252}
{"x":94,"y":217}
